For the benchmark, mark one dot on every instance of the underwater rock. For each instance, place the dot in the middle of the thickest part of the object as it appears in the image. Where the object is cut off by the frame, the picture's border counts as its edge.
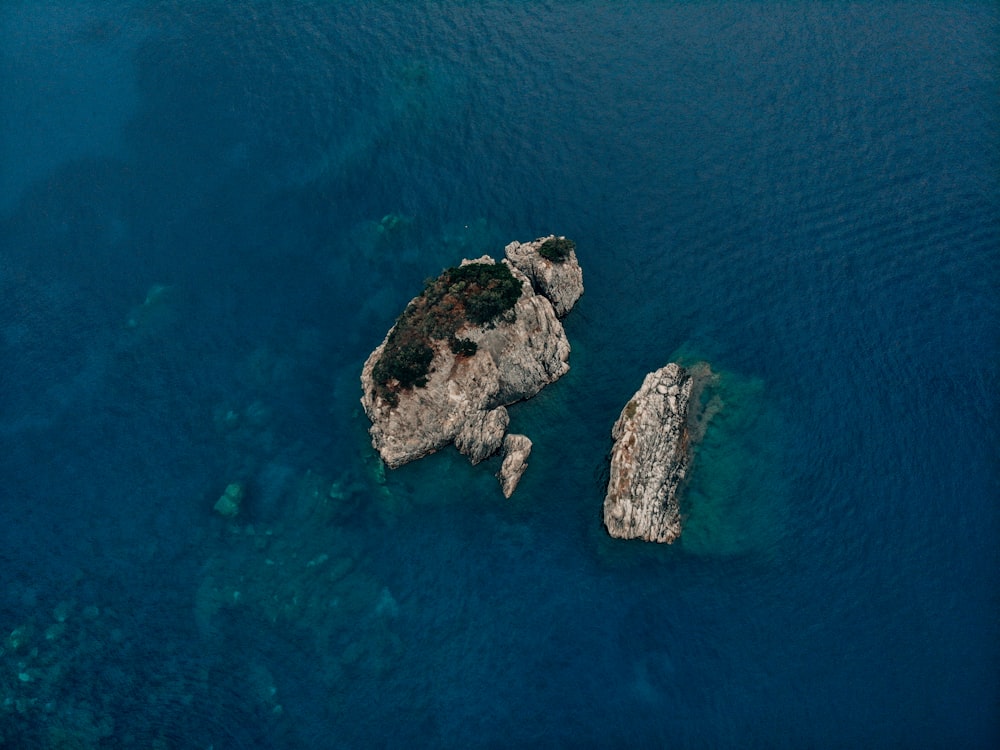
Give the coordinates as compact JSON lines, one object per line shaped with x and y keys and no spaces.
{"x":228,"y":506}
{"x":460,"y":376}
{"x":651,"y":454}
{"x":36,"y":709}
{"x":62,"y":611}
{"x":153,"y":308}
{"x":737,"y":497}
{"x":91,"y":612}
{"x":386,"y":606}
{"x":306,"y":575}
{"x":393,"y":222}
{"x":516,"y":449}
{"x":561,"y":279}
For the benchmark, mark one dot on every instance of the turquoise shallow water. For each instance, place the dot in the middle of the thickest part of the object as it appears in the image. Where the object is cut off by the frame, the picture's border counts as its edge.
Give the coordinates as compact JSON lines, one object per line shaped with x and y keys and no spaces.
{"x":194,"y":263}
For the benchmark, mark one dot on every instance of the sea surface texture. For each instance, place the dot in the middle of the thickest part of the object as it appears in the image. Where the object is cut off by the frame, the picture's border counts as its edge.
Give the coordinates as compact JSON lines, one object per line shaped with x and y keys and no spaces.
{"x":210,"y":214}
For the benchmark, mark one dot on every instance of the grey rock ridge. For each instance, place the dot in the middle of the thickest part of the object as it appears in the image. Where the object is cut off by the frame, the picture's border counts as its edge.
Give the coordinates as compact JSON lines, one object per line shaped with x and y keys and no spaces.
{"x":560,"y":281}
{"x":516,"y":449}
{"x":652,"y":453}
{"x":464,"y":398}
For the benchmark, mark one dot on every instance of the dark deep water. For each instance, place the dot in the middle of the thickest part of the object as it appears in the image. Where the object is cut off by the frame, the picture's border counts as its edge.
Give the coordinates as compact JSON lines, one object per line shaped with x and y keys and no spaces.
{"x":192,"y":272}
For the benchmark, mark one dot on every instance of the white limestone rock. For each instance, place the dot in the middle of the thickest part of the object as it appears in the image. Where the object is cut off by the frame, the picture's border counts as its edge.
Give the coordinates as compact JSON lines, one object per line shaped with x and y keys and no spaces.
{"x":516,"y":449}
{"x":560,"y":281}
{"x":464,"y":397}
{"x":651,"y":455}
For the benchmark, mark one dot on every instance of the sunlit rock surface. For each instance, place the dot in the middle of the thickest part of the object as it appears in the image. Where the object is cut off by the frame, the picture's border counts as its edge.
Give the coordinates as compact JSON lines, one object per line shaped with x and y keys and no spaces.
{"x":516,"y":449}
{"x":463,"y":400}
{"x":651,"y":455}
{"x":560,"y":281}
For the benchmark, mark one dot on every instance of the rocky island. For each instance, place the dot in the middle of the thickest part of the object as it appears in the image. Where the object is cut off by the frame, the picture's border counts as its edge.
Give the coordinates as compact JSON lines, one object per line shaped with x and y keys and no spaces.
{"x":481,"y":336}
{"x":652,"y":452}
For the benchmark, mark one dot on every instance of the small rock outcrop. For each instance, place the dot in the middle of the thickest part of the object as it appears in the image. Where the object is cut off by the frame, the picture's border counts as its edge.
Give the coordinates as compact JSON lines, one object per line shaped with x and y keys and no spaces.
{"x":516,"y":449}
{"x":551,"y":265}
{"x":228,"y":505}
{"x":478,"y":339}
{"x":651,"y":455}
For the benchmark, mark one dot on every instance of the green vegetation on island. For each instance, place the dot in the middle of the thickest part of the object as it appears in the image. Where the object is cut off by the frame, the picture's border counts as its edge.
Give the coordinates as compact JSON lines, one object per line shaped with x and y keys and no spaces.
{"x":463,"y":347}
{"x":556,"y":249}
{"x":476,"y":293}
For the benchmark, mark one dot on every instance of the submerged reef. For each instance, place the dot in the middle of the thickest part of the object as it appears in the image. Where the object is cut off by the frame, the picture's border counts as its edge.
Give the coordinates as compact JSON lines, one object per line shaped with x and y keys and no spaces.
{"x":228,"y":505}
{"x":61,"y":672}
{"x":652,"y":452}
{"x":156,"y":310}
{"x":737,"y":497}
{"x":306,"y":575}
{"x":481,"y":336}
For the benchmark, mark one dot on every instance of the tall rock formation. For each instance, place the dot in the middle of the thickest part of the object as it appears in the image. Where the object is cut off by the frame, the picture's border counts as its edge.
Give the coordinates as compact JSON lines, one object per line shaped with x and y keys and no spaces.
{"x":651,"y":455}
{"x":475,"y":369}
{"x":516,"y":449}
{"x":561,"y":279}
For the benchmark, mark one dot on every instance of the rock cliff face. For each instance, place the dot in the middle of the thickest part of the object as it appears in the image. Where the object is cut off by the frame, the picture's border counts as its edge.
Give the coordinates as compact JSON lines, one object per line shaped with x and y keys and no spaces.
{"x":516,"y":449}
{"x":651,"y":455}
{"x":560,"y":281}
{"x":462,"y":399}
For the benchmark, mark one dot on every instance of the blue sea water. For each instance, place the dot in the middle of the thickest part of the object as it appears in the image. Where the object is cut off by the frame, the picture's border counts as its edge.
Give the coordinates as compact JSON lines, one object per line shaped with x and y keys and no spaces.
{"x":210,"y":213}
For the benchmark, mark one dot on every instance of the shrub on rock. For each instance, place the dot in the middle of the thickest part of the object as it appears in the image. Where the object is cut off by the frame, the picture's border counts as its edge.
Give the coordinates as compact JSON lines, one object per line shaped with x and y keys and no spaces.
{"x":476,"y":293}
{"x":556,"y":249}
